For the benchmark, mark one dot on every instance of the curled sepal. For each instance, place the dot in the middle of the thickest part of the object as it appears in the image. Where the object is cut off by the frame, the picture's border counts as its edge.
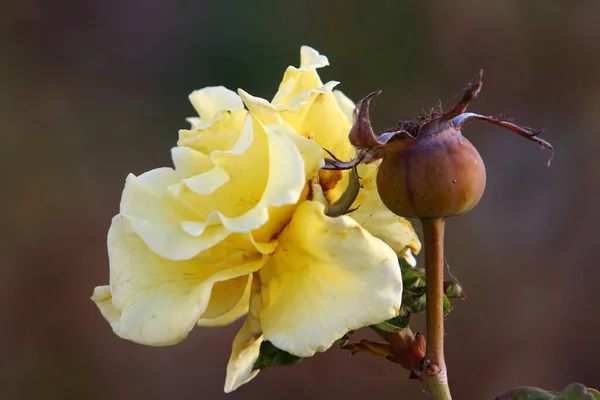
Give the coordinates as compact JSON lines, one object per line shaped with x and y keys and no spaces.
{"x":271,"y":356}
{"x":526,"y":132}
{"x":344,"y":203}
{"x":469,"y":93}
{"x":362,"y":135}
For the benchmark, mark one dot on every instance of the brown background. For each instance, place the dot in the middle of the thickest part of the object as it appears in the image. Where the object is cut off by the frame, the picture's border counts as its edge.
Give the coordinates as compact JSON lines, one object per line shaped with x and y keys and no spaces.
{"x":90,"y":91}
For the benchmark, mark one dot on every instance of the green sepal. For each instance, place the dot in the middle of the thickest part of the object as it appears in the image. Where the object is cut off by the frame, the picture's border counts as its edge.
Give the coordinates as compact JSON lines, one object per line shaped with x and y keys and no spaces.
{"x":271,"y":356}
{"x":343,"y":204}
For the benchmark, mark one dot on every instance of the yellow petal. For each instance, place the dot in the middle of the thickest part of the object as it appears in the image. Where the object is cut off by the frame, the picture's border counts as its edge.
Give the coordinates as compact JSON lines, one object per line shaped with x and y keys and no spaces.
{"x":210,"y":101}
{"x":246,"y":345}
{"x":189,"y":162}
{"x":221,"y":134}
{"x":229,"y":301}
{"x":375,"y":217}
{"x":266,"y":168}
{"x":345,"y":104}
{"x":298,"y":80}
{"x":317,"y":113}
{"x":328,"y":276}
{"x":156,"y":216}
{"x":155,"y":301}
{"x":310,"y":107}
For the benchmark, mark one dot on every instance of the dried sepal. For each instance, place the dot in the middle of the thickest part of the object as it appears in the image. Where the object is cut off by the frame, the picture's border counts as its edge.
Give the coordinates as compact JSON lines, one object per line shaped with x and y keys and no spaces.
{"x":361,"y":135}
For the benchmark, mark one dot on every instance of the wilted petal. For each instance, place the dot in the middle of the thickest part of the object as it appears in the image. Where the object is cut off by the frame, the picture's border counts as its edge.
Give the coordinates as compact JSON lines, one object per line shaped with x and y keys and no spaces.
{"x":246,"y":345}
{"x":155,"y":301}
{"x":328,"y":276}
{"x":375,"y":217}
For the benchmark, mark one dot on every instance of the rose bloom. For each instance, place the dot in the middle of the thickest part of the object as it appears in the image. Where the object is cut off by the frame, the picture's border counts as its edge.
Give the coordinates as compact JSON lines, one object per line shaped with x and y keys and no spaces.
{"x":239,"y":226}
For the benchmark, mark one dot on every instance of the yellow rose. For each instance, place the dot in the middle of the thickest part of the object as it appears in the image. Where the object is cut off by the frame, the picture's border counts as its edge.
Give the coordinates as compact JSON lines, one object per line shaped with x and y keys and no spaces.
{"x":240,"y":226}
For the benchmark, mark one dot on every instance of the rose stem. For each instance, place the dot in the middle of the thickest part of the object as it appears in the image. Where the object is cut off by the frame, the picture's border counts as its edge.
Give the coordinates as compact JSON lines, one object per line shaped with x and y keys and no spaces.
{"x":434,"y":373}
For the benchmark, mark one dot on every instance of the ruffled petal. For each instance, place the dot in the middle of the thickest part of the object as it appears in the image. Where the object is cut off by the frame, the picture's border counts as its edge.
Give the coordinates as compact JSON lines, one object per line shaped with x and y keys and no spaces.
{"x":246,"y":345}
{"x":221,"y":134}
{"x":189,"y":162}
{"x":155,"y":301}
{"x":375,"y":217}
{"x":298,"y":80}
{"x":266,"y":168}
{"x":155,"y":214}
{"x":210,"y":101}
{"x":328,"y":276}
{"x":229,"y":300}
{"x":345,"y":105}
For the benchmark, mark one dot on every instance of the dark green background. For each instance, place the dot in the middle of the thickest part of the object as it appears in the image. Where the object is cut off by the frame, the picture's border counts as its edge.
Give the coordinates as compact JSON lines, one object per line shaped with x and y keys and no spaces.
{"x":93,"y":90}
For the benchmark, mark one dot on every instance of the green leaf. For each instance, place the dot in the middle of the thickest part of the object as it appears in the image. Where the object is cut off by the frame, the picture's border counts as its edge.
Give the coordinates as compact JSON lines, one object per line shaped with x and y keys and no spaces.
{"x":526,"y":393}
{"x":447,"y":305}
{"x":271,"y":356}
{"x":393,"y":325}
{"x":454,"y":290}
{"x":411,"y":279}
{"x":576,"y":391}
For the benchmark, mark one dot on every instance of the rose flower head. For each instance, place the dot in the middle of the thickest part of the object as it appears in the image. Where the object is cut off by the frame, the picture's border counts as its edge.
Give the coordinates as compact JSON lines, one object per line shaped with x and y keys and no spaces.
{"x":241,"y":225}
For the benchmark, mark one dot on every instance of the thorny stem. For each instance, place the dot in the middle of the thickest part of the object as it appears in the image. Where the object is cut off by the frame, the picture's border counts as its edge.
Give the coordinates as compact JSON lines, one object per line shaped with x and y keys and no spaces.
{"x":434,"y":372}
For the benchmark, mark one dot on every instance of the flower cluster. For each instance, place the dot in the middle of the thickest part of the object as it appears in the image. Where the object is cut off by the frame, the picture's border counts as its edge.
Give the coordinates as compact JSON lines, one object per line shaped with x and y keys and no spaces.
{"x":239,"y":226}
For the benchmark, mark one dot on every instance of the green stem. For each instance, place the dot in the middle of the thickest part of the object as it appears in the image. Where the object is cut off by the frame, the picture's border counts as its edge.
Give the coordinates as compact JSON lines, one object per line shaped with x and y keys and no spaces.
{"x":434,"y":372}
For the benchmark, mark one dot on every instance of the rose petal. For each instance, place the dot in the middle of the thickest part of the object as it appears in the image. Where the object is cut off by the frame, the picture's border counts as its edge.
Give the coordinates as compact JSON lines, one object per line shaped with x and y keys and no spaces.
{"x":156,"y":215}
{"x":345,"y":104}
{"x":229,"y":300}
{"x":298,"y":80}
{"x":210,"y":101}
{"x":246,"y":345}
{"x":189,"y":162}
{"x":328,"y":276}
{"x":155,"y":301}
{"x":266,"y":168}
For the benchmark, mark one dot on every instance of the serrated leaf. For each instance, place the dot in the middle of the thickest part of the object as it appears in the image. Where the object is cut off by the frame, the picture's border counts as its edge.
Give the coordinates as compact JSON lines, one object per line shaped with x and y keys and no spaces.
{"x":271,"y":356}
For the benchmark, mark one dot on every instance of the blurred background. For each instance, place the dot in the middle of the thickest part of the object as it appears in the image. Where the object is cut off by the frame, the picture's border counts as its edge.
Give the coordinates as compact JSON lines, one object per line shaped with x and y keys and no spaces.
{"x":90,"y":91}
